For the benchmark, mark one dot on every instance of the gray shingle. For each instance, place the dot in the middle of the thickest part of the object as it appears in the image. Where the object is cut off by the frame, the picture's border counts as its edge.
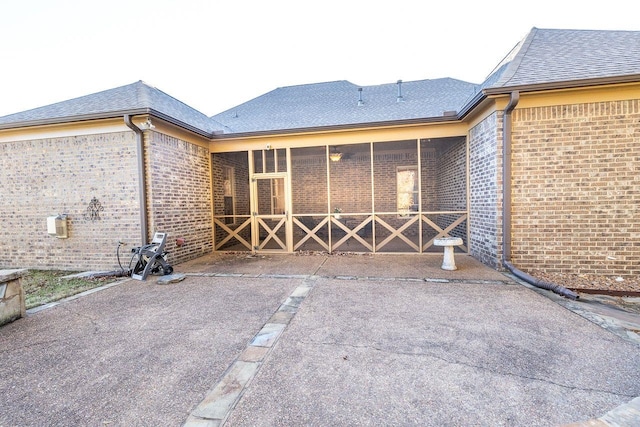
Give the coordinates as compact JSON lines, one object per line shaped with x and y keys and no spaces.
{"x":548,"y":56}
{"x":336,"y":103}
{"x":113,"y":102}
{"x":542,"y":57}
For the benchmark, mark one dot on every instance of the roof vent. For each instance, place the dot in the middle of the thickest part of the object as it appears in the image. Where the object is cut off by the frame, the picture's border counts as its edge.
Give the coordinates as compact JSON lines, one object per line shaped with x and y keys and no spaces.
{"x":400,"y":98}
{"x":360,"y":101}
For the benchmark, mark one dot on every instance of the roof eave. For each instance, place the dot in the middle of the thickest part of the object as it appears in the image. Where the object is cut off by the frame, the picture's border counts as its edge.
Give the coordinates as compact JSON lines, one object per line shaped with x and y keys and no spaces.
{"x":103,"y":116}
{"x":72,"y":119}
{"x":332,"y":128}
{"x":473,"y":103}
{"x":181,"y":124}
{"x":565,"y":84}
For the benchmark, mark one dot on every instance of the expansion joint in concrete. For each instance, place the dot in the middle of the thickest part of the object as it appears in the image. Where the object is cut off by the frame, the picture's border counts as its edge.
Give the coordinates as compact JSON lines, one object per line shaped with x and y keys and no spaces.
{"x":223,"y":397}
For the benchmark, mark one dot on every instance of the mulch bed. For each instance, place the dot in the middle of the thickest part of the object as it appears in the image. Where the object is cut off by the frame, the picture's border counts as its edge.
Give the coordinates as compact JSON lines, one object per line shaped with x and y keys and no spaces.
{"x":591,"y":283}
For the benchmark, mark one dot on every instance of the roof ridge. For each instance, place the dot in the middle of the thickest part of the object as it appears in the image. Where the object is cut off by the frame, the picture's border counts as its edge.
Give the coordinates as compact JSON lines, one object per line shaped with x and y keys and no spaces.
{"x":133,"y":97}
{"x":145,"y":95}
{"x":586,"y":30}
{"x":418,"y":81}
{"x":314,"y":84}
{"x":142,"y":93}
{"x":514,"y":58}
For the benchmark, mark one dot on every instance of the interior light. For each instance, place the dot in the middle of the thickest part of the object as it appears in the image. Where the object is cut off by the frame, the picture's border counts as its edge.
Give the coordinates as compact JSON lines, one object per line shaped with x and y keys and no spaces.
{"x":335,"y":155}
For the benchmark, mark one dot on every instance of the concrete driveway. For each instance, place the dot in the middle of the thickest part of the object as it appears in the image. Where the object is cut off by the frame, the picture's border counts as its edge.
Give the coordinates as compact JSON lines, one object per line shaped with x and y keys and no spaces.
{"x":314,"y":340}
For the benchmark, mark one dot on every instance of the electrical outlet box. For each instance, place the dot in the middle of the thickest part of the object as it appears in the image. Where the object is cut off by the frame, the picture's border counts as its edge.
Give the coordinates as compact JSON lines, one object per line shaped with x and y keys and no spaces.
{"x":57,"y":226}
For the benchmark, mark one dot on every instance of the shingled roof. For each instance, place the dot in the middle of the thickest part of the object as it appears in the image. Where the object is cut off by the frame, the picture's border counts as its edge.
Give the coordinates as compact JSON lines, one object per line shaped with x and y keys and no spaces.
{"x":547,"y":56}
{"x":544,"y":59}
{"x":135,"y":98}
{"x":338,"y":104}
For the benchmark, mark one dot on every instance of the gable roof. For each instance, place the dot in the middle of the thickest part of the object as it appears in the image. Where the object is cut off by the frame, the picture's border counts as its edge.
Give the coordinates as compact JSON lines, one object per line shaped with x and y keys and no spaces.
{"x":551,"y":56}
{"x":337,"y":104}
{"x":135,"y":98}
{"x":544,"y":59}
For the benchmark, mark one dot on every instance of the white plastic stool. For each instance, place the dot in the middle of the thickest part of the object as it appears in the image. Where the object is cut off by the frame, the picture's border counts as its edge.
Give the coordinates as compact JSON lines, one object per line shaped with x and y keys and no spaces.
{"x":448,"y":263}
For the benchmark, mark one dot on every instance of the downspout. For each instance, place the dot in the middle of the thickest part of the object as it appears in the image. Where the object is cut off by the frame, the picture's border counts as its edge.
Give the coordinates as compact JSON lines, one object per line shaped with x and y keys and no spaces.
{"x":506,"y":207}
{"x":141,"y":178}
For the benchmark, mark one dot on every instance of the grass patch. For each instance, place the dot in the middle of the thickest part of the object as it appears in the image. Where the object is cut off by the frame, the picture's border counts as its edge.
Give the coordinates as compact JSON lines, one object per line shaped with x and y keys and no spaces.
{"x":45,"y":286}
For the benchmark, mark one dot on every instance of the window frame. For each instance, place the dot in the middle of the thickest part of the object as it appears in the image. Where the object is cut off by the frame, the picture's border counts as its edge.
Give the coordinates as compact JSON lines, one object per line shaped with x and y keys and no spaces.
{"x":415,"y":192}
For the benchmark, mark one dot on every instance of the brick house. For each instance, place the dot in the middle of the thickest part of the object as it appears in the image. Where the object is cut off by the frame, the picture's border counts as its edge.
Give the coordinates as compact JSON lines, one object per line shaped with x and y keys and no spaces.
{"x":339,"y":167}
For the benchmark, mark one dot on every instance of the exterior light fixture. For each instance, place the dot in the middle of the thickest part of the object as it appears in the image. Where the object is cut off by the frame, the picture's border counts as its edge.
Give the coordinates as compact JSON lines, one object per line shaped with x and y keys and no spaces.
{"x":147,"y":124}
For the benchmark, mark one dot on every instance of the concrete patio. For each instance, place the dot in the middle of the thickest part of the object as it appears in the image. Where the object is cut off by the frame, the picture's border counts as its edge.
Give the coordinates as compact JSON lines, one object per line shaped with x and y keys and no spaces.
{"x":315,"y":340}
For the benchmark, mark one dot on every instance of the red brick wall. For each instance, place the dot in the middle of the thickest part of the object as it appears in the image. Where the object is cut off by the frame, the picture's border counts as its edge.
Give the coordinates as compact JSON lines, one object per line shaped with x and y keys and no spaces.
{"x":485,"y":187}
{"x":451,"y":184}
{"x":238,"y":161}
{"x":309,"y":181}
{"x":350,"y":181}
{"x":451,"y":172}
{"x":429,"y":163}
{"x":385,"y":168}
{"x":47,"y":177}
{"x":576,"y":188}
{"x":179,"y":195}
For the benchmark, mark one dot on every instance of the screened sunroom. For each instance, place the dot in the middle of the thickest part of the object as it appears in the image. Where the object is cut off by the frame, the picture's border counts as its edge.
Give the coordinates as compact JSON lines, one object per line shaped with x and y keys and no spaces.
{"x":379,"y":197}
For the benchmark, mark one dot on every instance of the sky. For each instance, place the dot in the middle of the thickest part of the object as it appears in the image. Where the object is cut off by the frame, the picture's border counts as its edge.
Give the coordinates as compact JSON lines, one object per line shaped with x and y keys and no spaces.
{"x":214,"y":55}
